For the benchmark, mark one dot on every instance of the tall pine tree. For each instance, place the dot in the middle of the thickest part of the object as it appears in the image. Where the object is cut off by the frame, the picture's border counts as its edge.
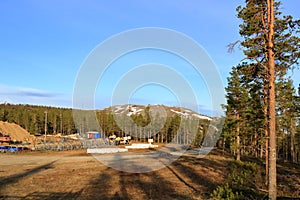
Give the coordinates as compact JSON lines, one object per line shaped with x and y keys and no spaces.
{"x":271,"y":48}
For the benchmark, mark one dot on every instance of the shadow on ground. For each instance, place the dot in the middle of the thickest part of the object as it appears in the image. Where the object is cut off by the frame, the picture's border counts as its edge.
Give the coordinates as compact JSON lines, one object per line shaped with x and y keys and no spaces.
{"x":16,"y":177}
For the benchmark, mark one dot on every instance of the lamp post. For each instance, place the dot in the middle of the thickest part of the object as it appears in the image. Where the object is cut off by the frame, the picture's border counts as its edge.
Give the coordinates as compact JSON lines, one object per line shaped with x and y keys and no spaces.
{"x":45,"y":126}
{"x":61,"y":123}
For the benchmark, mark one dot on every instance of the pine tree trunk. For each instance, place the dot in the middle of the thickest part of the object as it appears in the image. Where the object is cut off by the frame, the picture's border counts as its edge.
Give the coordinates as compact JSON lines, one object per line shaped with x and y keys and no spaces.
{"x":166,"y":137}
{"x":267,"y":156}
{"x":271,"y":103}
{"x":238,"y":151}
{"x":54,"y":124}
{"x":293,"y":158}
{"x":255,"y":144}
{"x":266,"y":94}
{"x":238,"y":139}
{"x":261,"y":151}
{"x":140,"y":138}
{"x":283,"y":145}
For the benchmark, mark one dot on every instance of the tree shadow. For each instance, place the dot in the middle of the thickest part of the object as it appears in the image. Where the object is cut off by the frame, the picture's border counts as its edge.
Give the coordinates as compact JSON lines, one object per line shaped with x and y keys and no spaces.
{"x":4,"y":181}
{"x":158,"y":185}
{"x":200,"y":182}
{"x":288,"y":179}
{"x":114,"y":184}
{"x":100,"y":187}
{"x":47,"y":196}
{"x":207,"y":163}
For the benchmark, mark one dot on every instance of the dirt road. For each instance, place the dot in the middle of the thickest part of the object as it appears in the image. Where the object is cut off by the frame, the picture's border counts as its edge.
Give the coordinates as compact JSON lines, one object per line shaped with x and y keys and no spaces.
{"x":77,"y":175}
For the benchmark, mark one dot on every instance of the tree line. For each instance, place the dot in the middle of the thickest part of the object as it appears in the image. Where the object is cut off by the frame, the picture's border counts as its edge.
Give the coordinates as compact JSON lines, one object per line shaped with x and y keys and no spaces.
{"x":245,"y":124}
{"x":33,"y":118}
{"x":176,"y":129}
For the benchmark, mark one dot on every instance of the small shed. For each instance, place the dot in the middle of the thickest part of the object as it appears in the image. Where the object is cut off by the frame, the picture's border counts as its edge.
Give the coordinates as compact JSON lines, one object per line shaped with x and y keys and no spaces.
{"x":93,"y":135}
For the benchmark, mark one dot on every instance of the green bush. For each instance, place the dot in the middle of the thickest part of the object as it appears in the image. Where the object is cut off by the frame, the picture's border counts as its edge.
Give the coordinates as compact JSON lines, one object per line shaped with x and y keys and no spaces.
{"x":225,"y":192}
{"x":241,"y":182}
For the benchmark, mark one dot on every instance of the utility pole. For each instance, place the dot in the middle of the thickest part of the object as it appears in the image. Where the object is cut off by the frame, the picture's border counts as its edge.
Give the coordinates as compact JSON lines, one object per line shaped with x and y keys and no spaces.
{"x":61,"y":123}
{"x":45,"y":126}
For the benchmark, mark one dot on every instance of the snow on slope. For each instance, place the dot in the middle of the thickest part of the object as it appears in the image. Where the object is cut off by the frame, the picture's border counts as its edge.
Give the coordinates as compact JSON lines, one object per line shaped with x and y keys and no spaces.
{"x":181,"y":113}
{"x":134,"y":109}
{"x":128,"y":109}
{"x":187,"y":113}
{"x":202,"y":117}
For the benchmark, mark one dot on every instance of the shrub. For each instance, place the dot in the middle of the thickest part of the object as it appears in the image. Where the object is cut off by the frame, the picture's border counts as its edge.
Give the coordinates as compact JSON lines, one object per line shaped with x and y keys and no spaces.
{"x":241,"y":183}
{"x":225,"y":192}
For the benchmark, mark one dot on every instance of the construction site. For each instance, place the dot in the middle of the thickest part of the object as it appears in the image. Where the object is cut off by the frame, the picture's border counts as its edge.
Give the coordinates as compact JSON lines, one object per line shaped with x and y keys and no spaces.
{"x":14,"y":138}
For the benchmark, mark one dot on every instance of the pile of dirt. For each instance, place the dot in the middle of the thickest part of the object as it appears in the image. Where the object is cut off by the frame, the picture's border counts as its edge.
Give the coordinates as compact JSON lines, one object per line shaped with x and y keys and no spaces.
{"x":16,"y":132}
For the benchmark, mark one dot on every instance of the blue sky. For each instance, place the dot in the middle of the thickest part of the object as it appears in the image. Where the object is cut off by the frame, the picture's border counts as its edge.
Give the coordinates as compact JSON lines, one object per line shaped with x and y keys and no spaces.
{"x":44,"y":43}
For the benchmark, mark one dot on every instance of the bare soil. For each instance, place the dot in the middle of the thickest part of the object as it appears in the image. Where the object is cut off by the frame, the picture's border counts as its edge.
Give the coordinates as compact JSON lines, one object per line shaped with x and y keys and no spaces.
{"x":77,"y":175}
{"x":16,"y":132}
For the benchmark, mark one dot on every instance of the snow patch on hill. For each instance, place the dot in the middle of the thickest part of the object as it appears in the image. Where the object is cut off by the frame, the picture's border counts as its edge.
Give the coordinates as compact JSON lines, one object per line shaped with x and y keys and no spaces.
{"x":187,"y":114}
{"x":128,"y":109}
{"x":180,"y":113}
{"x":202,"y":117}
{"x":136,"y":109}
{"x":132,"y":110}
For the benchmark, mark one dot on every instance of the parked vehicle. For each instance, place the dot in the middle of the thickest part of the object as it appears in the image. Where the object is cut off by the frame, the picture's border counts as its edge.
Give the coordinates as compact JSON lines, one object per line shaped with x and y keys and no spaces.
{"x":5,"y":138}
{"x":14,"y":149}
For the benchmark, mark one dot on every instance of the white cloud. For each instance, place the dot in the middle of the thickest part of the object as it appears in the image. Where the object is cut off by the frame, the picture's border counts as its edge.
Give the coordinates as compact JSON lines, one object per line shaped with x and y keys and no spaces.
{"x":24,"y":95}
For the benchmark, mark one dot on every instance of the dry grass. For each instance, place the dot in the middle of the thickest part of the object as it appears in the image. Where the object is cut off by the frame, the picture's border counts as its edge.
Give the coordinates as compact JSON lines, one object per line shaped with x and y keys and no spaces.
{"x":76,"y":175}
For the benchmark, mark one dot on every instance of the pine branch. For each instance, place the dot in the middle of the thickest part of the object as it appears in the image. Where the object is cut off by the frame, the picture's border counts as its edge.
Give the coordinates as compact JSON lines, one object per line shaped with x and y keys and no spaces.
{"x":255,"y":58}
{"x":231,"y":46}
{"x":256,"y":45}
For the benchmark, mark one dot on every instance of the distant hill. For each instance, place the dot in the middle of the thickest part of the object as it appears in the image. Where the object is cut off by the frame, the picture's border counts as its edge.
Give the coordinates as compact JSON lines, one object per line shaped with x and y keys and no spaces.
{"x":131,"y":109}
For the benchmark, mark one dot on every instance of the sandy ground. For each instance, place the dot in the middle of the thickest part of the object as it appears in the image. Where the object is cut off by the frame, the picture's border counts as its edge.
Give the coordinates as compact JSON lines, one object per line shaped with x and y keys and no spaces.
{"x":16,"y":132}
{"x":77,"y":175}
